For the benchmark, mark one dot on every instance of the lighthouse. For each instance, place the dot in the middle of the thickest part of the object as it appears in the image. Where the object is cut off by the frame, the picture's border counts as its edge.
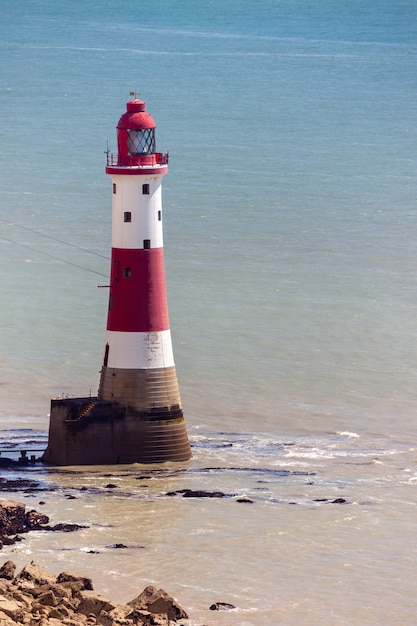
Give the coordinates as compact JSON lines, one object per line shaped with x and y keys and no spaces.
{"x":137,"y":416}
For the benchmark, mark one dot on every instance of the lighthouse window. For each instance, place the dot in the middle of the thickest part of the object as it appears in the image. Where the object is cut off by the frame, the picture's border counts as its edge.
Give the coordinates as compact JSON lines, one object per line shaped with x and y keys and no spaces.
{"x":127,"y":216}
{"x":145,"y":189}
{"x":114,"y":187}
{"x":127,"y":272}
{"x":141,"y":141}
{"x":146,"y":244}
{"x":159,"y":216}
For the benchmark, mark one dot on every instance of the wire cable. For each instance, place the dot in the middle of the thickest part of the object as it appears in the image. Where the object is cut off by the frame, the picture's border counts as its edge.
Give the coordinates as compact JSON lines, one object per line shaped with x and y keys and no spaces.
{"x":57,"y":258}
{"x":37,"y":232}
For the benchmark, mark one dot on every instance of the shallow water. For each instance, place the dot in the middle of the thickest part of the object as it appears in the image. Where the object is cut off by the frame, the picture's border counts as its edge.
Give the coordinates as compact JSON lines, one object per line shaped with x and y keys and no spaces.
{"x":289,"y":229}
{"x":320,"y":531}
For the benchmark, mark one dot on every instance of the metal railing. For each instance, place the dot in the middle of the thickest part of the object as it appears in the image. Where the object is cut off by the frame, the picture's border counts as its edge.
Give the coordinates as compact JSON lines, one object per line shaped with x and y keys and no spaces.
{"x":157,"y":158}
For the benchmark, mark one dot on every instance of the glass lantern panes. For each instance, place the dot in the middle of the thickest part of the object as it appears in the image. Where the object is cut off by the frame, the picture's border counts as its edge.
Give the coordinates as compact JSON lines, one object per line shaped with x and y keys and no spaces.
{"x":141,"y":141}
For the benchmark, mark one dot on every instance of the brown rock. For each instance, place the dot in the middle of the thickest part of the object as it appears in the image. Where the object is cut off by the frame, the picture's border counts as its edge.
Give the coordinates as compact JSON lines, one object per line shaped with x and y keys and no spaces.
{"x":94,"y":604}
{"x":62,"y":592}
{"x":25,"y":601}
{"x":5,"y":620}
{"x":11,"y":608}
{"x":158,"y":601}
{"x":65,"y":577}
{"x":48,"y":598}
{"x":115,"y":616}
{"x":52,"y":621}
{"x":59,"y":612}
{"x":74,"y":620}
{"x":36,"y":575}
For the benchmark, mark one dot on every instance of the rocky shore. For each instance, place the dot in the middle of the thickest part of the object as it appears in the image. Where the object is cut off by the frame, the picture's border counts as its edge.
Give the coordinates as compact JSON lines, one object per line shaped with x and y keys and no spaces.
{"x":38,"y":598}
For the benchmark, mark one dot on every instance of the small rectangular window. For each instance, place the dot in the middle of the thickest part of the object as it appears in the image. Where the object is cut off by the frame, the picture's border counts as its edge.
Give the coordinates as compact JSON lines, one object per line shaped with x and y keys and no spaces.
{"x":127,"y":272}
{"x":159,"y":216}
{"x":146,"y":244}
{"x":128,"y":216}
{"x":145,"y":189}
{"x":114,"y":187}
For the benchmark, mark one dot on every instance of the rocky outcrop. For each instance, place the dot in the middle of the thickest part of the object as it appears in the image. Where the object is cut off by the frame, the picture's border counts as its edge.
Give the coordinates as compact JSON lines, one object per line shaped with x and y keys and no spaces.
{"x":14,"y":520}
{"x":38,"y":598}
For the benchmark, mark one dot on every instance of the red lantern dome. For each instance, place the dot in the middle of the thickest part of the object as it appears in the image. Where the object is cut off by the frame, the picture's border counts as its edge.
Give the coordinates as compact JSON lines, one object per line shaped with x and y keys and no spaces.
{"x":136,"y":139}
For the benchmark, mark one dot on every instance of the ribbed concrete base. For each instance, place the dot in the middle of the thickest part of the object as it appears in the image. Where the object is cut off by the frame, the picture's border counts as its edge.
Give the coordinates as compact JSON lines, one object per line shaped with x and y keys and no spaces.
{"x":140,"y":389}
{"x":91,"y":431}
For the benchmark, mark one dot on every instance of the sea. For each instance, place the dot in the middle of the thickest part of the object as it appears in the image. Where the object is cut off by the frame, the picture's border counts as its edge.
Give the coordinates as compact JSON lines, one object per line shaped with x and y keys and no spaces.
{"x":290,"y":221}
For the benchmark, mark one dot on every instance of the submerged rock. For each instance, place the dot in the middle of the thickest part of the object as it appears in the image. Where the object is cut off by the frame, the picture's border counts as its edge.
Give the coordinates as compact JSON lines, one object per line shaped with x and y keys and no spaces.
{"x":197,"y":493}
{"x":222,"y":606}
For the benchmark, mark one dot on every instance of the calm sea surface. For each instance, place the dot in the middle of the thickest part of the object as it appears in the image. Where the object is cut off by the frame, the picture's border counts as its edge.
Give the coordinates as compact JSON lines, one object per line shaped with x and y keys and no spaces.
{"x":290,"y":243}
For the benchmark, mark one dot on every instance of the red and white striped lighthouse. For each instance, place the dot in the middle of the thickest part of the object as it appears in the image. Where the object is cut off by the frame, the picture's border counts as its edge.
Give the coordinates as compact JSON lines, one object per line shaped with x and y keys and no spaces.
{"x":137,"y":416}
{"x":138,"y":367}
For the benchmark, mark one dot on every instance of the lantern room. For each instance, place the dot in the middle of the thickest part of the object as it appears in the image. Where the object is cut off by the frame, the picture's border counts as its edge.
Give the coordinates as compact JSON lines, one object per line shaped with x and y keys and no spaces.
{"x":135,"y":133}
{"x":136,"y":139}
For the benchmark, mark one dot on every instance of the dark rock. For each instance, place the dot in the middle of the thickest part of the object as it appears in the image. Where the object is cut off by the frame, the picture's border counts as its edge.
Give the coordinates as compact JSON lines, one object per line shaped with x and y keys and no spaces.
{"x":118,"y":546}
{"x":12,"y":518}
{"x":7,"y":462}
{"x":19,"y":484}
{"x":14,"y":521}
{"x":9,"y":541}
{"x":35,"y":520}
{"x":7,"y":570}
{"x":111,"y":486}
{"x":65,"y":528}
{"x":222,"y":606}
{"x":339,"y":501}
{"x":197,"y":493}
{"x":245,"y":500}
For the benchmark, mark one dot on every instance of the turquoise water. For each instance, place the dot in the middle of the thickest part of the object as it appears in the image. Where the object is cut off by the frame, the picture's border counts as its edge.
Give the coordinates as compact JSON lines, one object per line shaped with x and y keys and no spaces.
{"x":289,"y":225}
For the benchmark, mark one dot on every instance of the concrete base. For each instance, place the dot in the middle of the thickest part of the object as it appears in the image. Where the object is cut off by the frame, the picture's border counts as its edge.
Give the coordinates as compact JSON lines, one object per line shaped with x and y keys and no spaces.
{"x":89,"y":431}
